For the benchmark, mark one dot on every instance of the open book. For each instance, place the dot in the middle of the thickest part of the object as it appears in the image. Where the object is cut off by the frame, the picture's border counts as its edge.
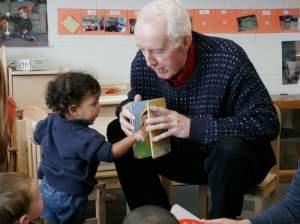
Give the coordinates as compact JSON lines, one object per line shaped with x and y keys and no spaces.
{"x":184,"y":216}
{"x":148,"y":148}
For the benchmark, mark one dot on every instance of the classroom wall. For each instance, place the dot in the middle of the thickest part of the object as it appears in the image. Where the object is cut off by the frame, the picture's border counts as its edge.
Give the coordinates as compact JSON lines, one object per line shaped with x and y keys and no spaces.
{"x":109,"y":57}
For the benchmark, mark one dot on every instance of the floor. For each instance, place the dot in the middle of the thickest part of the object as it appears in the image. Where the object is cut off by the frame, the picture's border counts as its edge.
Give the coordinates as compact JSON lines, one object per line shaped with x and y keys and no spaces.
{"x":187,"y":196}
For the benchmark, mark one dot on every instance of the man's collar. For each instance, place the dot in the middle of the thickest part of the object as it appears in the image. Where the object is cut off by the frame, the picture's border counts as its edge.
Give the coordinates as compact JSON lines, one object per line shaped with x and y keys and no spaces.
{"x":183,"y":75}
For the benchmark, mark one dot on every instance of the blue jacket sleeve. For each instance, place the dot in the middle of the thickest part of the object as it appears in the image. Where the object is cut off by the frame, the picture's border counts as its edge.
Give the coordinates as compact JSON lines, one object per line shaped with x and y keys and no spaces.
{"x":97,"y":148}
{"x":40,"y":131}
{"x":287,"y":210}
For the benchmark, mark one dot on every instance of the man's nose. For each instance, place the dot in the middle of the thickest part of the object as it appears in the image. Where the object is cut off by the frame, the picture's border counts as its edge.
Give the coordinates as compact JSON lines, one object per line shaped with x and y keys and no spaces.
{"x":150,"y":60}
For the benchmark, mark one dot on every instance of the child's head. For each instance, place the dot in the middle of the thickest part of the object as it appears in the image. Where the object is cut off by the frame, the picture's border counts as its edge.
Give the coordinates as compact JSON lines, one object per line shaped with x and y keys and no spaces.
{"x":23,"y":11}
{"x":74,"y":95}
{"x":20,"y":200}
{"x":150,"y":214}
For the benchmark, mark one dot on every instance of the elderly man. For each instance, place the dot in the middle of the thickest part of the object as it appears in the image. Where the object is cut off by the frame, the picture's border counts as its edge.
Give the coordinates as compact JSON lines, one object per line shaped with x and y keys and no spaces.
{"x":220,"y":117}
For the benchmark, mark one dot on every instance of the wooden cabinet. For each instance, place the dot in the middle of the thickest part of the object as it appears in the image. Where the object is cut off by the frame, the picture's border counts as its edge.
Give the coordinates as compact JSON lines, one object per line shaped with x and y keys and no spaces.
{"x":28,"y":87}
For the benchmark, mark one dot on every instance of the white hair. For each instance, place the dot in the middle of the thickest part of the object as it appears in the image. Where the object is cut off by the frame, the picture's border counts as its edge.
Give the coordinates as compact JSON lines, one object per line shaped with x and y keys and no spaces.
{"x":177,"y":18}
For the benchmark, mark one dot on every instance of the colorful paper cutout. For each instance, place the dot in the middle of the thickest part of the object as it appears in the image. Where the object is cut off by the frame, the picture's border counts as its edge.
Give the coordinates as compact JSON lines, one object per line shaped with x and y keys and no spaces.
{"x":71,"y":24}
{"x":69,"y":21}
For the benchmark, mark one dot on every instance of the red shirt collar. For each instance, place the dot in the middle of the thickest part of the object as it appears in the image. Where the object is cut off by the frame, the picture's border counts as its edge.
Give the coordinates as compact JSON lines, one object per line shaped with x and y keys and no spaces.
{"x":185,"y":74}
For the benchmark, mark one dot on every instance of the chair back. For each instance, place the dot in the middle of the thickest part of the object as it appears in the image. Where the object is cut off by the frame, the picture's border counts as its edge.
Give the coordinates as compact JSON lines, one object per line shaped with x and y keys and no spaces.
{"x":276,"y":145}
{"x":32,"y":115}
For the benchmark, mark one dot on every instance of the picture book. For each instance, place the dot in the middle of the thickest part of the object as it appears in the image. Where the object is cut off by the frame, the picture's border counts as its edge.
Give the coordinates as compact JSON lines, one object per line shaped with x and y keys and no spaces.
{"x":184,"y":216}
{"x":148,"y":148}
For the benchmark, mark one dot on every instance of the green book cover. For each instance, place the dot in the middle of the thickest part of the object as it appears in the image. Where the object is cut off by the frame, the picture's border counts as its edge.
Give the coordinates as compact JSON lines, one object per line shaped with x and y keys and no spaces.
{"x":147,"y":148}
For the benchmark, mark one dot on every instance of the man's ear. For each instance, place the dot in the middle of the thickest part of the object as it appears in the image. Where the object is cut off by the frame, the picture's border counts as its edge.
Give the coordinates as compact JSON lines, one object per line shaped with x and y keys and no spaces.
{"x":24,"y":219}
{"x":187,"y":42}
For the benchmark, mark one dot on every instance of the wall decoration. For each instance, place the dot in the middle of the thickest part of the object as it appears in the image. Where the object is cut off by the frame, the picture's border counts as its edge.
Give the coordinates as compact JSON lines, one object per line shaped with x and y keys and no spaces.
{"x":268,"y":21}
{"x":288,"y":20}
{"x":23,"y":23}
{"x":290,"y":62}
{"x":115,"y":22}
{"x":246,"y":21}
{"x":132,"y":14}
{"x":71,"y":24}
{"x":92,"y":21}
{"x":226,"y":21}
{"x":204,"y":20}
{"x":122,"y":22}
{"x":69,"y":21}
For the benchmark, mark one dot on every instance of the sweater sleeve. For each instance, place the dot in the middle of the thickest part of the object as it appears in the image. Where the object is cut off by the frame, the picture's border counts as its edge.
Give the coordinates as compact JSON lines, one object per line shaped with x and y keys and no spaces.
{"x":40,"y":131}
{"x":287,"y":210}
{"x":252,"y":115}
{"x":97,"y":148}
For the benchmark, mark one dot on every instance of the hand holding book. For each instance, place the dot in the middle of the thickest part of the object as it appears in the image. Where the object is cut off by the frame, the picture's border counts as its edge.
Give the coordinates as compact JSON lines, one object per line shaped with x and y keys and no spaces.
{"x":172,"y":122}
{"x":126,"y":115}
{"x":147,"y":148}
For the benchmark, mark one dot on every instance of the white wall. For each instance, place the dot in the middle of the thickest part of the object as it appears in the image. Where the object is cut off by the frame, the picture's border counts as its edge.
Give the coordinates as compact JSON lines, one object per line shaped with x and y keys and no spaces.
{"x":109,"y":57}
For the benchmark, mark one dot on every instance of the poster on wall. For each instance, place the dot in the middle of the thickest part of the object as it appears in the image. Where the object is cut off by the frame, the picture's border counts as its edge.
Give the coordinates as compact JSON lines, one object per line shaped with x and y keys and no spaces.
{"x":23,"y":23}
{"x":290,"y":62}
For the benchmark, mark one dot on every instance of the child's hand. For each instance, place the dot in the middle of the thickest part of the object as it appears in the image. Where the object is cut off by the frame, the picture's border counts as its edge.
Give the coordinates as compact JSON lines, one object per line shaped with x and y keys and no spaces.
{"x":140,"y":136}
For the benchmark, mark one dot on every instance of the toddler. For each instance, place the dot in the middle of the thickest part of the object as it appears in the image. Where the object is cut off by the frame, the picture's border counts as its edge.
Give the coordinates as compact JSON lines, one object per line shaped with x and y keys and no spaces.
{"x":71,"y":150}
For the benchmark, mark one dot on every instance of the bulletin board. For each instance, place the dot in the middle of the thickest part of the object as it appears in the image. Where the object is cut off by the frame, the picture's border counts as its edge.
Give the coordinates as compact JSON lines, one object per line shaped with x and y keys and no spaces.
{"x":122,"y":22}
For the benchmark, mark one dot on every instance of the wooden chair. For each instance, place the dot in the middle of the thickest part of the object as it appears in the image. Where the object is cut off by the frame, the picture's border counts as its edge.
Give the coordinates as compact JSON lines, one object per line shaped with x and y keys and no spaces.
{"x":32,"y":115}
{"x":12,"y":151}
{"x":267,"y":188}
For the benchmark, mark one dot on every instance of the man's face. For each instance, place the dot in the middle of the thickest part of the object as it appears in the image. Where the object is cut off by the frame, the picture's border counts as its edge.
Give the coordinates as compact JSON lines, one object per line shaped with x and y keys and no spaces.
{"x":159,"y":51}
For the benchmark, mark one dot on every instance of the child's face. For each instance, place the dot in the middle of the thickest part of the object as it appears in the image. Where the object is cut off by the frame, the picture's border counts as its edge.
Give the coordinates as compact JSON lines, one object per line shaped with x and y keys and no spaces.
{"x":22,"y":14}
{"x":89,"y":108}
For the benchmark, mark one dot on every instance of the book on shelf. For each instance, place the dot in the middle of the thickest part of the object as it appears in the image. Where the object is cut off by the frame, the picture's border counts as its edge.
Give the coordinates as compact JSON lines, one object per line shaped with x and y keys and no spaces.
{"x":148,"y":148}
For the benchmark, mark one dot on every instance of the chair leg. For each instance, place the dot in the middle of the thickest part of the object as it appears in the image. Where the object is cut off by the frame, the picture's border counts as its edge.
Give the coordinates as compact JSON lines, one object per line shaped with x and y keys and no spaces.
{"x":203,"y":201}
{"x":274,"y":196}
{"x":258,"y":204}
{"x":167,"y":185}
{"x":100,"y":205}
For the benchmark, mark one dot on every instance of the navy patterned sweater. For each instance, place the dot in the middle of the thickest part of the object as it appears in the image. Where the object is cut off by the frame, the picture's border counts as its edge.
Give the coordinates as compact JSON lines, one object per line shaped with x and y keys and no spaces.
{"x":223,"y":97}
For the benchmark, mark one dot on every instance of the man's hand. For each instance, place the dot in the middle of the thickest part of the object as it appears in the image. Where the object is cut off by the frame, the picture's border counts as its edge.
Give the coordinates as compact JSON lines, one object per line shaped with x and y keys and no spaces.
{"x":226,"y":221}
{"x":125,"y":116}
{"x":174,"y":123}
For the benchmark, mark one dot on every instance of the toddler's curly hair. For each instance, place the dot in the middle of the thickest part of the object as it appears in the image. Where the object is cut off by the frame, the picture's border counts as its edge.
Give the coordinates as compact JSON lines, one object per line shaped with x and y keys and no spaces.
{"x":70,"y":89}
